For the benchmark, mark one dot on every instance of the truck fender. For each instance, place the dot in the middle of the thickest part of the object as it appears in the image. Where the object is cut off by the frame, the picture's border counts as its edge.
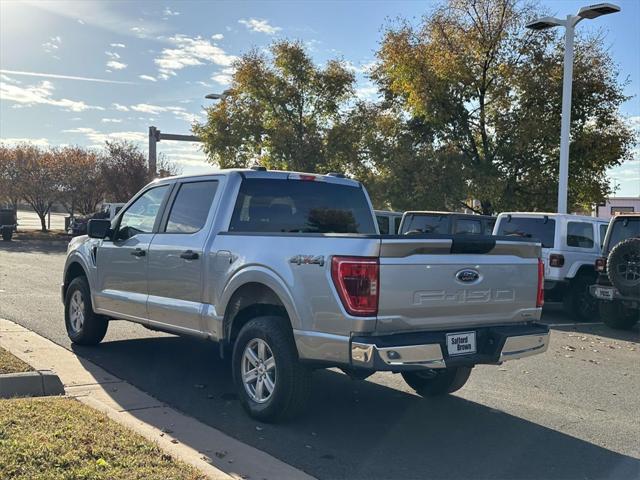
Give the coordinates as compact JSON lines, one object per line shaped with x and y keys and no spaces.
{"x":266,"y":277}
{"x":580,"y":267}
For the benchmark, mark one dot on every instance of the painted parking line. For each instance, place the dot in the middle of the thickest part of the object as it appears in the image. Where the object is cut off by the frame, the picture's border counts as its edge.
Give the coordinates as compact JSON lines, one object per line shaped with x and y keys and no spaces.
{"x":572,"y":324}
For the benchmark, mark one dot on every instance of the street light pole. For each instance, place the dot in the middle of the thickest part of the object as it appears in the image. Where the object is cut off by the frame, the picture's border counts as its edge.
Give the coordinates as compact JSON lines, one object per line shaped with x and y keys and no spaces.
{"x":590,"y":12}
{"x":565,"y":125}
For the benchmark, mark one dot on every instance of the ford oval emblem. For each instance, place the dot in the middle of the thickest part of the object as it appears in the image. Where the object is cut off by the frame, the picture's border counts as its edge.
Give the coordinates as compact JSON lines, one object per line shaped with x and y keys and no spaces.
{"x":467,"y":275}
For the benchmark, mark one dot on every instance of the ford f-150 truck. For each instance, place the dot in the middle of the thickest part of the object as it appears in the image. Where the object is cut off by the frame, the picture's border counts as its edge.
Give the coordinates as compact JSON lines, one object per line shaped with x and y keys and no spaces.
{"x":287,"y":272}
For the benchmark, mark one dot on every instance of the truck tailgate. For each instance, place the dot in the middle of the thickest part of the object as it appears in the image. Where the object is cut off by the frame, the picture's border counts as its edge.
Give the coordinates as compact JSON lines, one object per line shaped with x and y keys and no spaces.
{"x":456,"y":282}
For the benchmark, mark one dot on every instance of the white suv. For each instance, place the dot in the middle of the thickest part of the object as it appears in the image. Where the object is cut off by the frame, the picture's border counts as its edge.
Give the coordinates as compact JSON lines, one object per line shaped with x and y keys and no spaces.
{"x":570,"y":246}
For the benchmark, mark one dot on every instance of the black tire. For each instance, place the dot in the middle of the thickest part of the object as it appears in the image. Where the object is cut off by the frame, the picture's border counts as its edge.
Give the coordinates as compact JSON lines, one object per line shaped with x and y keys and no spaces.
{"x":623,"y":267}
{"x":616,"y":316}
{"x":578,"y":302}
{"x":93,"y":326}
{"x":7,"y":233}
{"x":430,"y":383}
{"x":292,"y":385}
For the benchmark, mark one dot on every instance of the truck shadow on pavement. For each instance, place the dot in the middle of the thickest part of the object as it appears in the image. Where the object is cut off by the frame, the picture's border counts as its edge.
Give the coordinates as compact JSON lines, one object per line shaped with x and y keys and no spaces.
{"x":358,"y":429}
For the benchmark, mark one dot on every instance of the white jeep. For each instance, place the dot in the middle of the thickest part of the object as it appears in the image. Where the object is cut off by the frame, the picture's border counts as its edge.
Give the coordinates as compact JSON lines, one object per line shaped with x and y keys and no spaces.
{"x":570,"y":246}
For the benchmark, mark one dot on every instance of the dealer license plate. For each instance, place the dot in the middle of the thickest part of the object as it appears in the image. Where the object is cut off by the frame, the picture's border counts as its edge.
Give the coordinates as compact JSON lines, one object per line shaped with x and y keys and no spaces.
{"x":462,"y":343}
{"x":604,"y":293}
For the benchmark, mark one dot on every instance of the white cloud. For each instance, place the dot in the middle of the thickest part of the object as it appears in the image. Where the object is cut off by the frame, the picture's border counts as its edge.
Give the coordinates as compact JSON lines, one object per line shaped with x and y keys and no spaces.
{"x":112,"y":54}
{"x":188,"y":52}
{"x":98,"y":138}
{"x":40,"y":142}
{"x":217,"y":36}
{"x":53,"y":44}
{"x":367,"y":91}
{"x":117,"y":45}
{"x":259,"y":25}
{"x":63,"y":77}
{"x":179,"y":113}
{"x":40,"y":94}
{"x":363,"y":67}
{"x":116,"y":65}
{"x":111,"y":120}
{"x":147,"y":77}
{"x":223,"y":77}
{"x":120,"y":108}
{"x":170,"y":13}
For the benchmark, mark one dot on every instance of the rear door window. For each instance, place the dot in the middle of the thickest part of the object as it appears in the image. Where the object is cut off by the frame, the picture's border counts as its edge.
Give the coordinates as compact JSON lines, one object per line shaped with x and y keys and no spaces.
{"x":396,"y":224}
{"x":427,"y":224}
{"x":468,"y":226}
{"x":191,"y":207}
{"x":538,"y":228}
{"x":283,"y":205}
{"x":580,"y":234}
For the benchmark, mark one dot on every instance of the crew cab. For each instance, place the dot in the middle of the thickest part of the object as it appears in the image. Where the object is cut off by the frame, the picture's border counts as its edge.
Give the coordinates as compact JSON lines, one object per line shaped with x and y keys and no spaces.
{"x":570,"y":246}
{"x":287,"y":273}
{"x":618,"y":286}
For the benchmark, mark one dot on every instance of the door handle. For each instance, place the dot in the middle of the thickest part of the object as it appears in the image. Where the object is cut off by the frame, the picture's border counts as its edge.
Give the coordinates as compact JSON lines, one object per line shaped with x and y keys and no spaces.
{"x":138,"y":252}
{"x":189,"y":255}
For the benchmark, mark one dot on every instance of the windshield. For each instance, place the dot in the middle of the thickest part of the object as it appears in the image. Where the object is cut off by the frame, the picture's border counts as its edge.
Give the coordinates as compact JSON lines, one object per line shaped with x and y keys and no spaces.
{"x":426,"y":223}
{"x":537,"y":228}
{"x":623,"y":228}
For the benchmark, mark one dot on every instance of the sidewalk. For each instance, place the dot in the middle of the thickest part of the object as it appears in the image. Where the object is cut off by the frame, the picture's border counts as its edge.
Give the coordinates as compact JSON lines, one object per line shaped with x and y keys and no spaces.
{"x":207,"y":449}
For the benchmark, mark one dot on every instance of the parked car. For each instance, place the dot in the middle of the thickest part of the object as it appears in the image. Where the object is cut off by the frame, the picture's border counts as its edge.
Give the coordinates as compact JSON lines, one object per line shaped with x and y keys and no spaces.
{"x":8,"y":223}
{"x":446,"y":223}
{"x":388,"y":222}
{"x":78,"y":225}
{"x":570,"y":245}
{"x":287,"y":272}
{"x":618,"y":285}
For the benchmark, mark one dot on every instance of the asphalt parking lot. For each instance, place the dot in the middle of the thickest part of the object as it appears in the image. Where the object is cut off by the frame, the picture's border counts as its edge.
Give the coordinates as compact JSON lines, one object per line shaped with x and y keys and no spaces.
{"x":570,"y":413}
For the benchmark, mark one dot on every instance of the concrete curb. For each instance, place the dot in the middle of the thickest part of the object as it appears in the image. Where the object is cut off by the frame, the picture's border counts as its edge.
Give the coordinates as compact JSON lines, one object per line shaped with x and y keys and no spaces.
{"x":40,"y":383}
{"x":211,"y":451}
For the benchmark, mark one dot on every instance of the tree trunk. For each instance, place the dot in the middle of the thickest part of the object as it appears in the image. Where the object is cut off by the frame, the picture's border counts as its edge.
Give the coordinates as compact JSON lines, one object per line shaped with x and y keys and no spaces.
{"x":43,"y":220}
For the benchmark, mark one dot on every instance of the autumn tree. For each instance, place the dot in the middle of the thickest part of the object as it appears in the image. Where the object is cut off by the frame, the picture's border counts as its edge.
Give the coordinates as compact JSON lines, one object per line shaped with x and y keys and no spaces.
{"x":9,"y":178}
{"x":281,"y":112}
{"x":489,"y":93}
{"x":38,"y":175}
{"x":82,"y":185}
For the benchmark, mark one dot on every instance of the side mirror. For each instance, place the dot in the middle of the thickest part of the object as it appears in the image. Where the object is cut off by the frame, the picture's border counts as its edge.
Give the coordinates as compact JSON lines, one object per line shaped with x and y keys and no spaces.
{"x":99,"y":228}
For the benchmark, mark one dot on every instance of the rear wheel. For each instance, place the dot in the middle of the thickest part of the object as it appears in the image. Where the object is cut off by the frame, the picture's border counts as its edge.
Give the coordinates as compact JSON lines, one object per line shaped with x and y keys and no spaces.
{"x":578,"y":302}
{"x":84,"y":326}
{"x":429,"y":383}
{"x":7,"y":233}
{"x":615,"y":315}
{"x":271,"y":382}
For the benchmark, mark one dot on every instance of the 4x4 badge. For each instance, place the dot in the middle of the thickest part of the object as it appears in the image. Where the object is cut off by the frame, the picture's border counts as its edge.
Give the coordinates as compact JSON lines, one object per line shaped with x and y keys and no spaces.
{"x":307,"y":260}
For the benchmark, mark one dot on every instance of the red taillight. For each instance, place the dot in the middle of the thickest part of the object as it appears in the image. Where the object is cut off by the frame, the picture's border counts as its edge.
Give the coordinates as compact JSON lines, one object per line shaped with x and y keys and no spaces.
{"x":601,"y":264}
{"x":356,"y":280}
{"x":556,"y":260}
{"x":540,"y":296}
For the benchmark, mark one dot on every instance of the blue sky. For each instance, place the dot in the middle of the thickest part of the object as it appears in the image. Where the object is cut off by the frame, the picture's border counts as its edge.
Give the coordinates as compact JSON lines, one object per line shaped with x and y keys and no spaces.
{"x":80,"y":72}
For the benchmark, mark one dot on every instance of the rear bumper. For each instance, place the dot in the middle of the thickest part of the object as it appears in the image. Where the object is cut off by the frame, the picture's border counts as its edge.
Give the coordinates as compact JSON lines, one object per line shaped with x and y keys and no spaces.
{"x":415,"y":351}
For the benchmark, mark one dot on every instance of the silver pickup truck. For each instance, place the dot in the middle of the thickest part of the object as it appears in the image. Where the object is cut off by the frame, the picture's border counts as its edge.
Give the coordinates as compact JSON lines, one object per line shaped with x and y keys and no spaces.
{"x":287,"y":273}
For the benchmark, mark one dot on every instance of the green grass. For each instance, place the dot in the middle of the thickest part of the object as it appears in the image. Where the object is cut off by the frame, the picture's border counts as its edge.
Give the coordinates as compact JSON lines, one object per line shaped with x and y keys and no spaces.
{"x":61,"y":438}
{"x":11,"y":364}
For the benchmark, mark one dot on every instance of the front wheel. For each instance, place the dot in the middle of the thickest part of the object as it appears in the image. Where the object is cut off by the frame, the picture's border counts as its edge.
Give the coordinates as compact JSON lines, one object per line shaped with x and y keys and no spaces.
{"x":429,"y":383}
{"x":271,"y":382}
{"x":84,"y":326}
{"x":615,"y":315}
